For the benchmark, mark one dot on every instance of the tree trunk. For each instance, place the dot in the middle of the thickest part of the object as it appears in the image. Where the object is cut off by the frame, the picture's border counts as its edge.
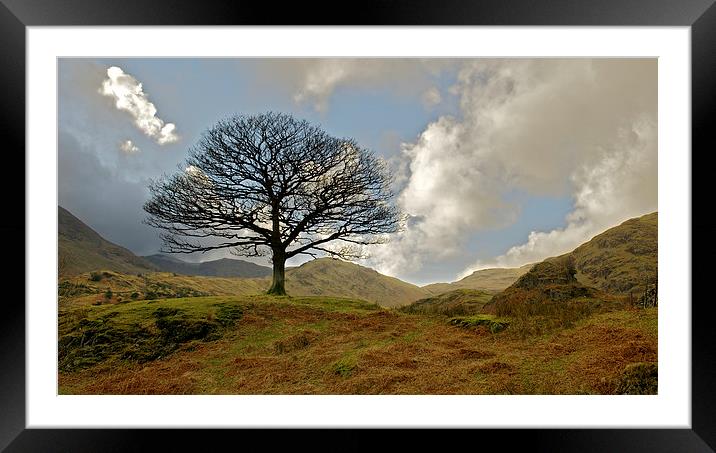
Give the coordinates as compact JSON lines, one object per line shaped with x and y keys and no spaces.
{"x":279,"y":274}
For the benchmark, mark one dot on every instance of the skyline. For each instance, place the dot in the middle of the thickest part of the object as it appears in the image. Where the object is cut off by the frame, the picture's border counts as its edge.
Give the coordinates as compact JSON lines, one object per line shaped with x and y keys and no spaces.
{"x":498,"y":162}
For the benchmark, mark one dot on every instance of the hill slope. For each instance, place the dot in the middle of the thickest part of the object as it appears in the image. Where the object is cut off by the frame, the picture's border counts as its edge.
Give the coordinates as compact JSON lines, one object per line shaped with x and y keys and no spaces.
{"x":224,"y":267}
{"x":619,"y":260}
{"x":492,"y":280}
{"x":102,"y":288}
{"x":452,"y":303}
{"x":622,"y":259}
{"x":321,"y":277}
{"x":336,"y":278}
{"x":81,"y":249}
{"x":319,"y":345}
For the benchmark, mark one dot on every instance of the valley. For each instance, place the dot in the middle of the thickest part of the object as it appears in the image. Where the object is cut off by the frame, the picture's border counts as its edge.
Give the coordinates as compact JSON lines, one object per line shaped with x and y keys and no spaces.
{"x":581,"y":323}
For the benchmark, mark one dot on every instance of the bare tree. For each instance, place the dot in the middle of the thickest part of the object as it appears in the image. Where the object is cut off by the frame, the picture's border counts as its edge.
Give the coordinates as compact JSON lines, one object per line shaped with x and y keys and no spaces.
{"x":272,"y":183}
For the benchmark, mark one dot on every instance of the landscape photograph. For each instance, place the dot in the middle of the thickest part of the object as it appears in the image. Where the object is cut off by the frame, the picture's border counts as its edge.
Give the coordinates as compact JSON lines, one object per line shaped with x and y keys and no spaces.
{"x":357,"y":226}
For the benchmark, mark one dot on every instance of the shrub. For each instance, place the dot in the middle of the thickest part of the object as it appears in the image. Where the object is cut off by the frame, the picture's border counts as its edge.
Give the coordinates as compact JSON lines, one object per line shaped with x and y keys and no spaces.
{"x":638,"y":379}
{"x":492,"y":323}
{"x":108,"y":294}
{"x":344,"y":367}
{"x":134,"y":295}
{"x":95,"y":276}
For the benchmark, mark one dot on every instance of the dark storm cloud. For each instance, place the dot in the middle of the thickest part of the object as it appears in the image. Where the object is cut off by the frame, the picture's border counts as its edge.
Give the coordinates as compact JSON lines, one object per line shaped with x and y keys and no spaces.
{"x":101,"y":197}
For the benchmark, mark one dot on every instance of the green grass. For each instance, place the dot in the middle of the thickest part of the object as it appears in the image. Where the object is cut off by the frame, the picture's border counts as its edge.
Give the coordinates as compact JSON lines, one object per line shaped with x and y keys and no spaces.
{"x":314,"y":345}
{"x":141,"y":331}
{"x":344,"y":366}
{"x":330,"y":304}
{"x":342,"y":281}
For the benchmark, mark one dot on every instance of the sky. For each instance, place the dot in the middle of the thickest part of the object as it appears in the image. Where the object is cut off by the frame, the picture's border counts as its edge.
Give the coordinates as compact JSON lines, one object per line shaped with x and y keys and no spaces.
{"x":497,"y":162}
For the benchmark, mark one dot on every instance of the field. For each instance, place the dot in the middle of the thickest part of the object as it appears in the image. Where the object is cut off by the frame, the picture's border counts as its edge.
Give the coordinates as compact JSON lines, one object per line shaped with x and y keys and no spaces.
{"x":327,"y":345}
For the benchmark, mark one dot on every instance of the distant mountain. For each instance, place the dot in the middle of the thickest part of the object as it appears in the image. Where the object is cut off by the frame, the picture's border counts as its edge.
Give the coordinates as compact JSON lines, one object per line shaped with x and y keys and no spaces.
{"x":224,"y":267}
{"x":81,"y":249}
{"x":333,"y":277}
{"x":493,"y":280}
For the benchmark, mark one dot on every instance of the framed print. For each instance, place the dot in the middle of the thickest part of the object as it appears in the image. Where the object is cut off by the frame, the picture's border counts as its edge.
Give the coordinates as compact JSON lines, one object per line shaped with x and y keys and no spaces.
{"x":412,"y":217}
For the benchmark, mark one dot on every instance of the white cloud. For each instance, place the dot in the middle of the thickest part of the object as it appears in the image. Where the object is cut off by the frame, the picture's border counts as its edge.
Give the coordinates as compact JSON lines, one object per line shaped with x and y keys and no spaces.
{"x":431,"y":97}
{"x":620,"y":186}
{"x":313,"y":81}
{"x":130,"y":97}
{"x":128,"y":147}
{"x":570,"y":127}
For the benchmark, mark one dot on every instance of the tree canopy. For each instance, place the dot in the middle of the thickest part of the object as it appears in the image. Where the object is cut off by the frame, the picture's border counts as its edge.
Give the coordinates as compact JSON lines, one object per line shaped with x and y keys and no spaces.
{"x":270,"y":183}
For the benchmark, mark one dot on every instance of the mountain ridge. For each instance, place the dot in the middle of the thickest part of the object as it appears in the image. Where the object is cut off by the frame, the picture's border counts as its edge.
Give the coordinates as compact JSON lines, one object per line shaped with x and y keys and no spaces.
{"x":222,"y":267}
{"x":82,"y":249}
{"x":492,"y":280}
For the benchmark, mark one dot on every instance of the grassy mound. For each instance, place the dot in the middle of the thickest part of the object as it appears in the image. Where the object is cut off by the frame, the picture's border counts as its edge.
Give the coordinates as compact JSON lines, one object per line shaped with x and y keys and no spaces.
{"x":138,"y":332}
{"x":549,"y":297}
{"x":548,"y":289}
{"x":144,"y":331}
{"x":453,"y":303}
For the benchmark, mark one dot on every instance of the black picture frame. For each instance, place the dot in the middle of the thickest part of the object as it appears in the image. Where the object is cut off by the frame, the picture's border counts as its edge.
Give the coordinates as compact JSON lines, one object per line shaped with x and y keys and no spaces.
{"x":16,"y":15}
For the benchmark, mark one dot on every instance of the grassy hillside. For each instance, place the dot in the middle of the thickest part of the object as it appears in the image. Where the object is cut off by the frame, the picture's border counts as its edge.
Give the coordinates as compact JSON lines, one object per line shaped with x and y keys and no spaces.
{"x":621,"y":260}
{"x":324,"y":277}
{"x":452,"y":303}
{"x":81,"y":249}
{"x":106,"y":287}
{"x":324,"y":345}
{"x":549,"y":297}
{"x":224,"y":267}
{"x":549,"y":332}
{"x":491,"y":280}
{"x":591,"y":279}
{"x":332,"y":277}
